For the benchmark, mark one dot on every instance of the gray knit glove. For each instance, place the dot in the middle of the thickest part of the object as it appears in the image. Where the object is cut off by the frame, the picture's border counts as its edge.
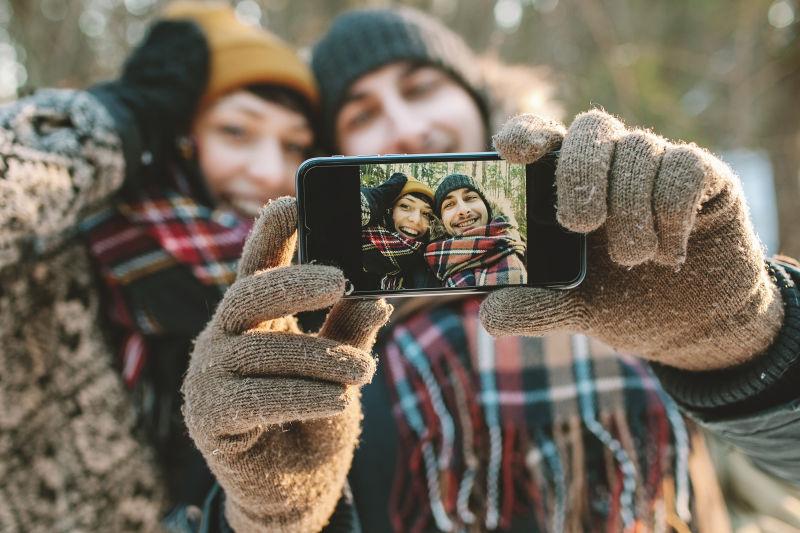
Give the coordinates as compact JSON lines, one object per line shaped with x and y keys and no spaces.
{"x":276,"y":413}
{"x":675,"y":274}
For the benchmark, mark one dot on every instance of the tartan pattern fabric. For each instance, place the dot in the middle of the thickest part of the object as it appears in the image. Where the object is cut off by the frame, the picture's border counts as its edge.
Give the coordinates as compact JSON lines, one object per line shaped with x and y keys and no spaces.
{"x":487,"y":255}
{"x":159,"y":230}
{"x":559,"y":430}
{"x":392,"y":248}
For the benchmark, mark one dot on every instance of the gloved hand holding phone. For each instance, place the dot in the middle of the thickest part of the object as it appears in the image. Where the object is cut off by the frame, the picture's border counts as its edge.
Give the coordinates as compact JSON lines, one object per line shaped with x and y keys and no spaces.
{"x":275,"y":412}
{"x":675,"y":271}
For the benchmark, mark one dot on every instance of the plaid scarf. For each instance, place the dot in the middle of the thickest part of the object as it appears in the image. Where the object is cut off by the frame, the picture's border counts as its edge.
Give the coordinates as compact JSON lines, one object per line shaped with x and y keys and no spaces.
{"x":149,"y":246}
{"x":384,"y":252}
{"x":487,"y":255}
{"x":558,"y":431}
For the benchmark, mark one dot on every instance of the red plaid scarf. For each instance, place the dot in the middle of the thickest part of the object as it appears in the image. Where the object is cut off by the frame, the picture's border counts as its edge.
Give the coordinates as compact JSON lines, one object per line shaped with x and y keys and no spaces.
{"x":487,"y":255}
{"x":558,"y":432}
{"x":392,"y":247}
{"x":145,"y":241}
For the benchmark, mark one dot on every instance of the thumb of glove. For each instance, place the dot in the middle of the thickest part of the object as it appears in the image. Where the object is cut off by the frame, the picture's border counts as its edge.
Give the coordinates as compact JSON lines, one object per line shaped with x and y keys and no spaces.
{"x":535,"y":312}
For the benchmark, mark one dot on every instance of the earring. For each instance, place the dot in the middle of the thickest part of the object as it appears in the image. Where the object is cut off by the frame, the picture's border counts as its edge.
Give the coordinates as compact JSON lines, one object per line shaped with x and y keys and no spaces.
{"x":185,"y":147}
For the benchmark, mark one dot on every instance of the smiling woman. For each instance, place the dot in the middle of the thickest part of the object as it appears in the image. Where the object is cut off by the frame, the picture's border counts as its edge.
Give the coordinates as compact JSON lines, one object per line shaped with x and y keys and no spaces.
{"x":396,"y":222}
{"x":250,"y":142}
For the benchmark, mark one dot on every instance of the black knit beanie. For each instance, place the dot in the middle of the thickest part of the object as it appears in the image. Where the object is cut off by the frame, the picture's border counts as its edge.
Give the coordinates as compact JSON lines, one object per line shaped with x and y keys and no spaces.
{"x":458,"y":181}
{"x":360,"y":41}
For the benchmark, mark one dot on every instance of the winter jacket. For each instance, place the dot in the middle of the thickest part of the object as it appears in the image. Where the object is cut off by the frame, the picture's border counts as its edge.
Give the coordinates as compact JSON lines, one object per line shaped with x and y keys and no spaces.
{"x":73,"y":456}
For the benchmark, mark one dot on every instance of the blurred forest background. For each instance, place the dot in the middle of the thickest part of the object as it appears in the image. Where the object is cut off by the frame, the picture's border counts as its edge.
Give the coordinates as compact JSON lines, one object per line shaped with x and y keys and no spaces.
{"x":501,"y":181}
{"x":723,"y":73}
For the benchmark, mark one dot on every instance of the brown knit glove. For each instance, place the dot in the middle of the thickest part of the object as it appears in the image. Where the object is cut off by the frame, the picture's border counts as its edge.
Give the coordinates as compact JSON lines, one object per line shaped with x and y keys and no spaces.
{"x":275,"y":412}
{"x":675,"y":271}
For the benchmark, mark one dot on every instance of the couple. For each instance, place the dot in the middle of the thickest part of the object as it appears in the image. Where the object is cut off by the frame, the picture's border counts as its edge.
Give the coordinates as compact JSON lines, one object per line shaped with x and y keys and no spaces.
{"x":453,"y":237}
{"x":148,"y":342}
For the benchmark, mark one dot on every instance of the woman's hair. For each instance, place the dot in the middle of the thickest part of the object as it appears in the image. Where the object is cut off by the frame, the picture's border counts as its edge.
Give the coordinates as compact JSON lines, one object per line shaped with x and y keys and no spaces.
{"x":424,"y":198}
{"x":288,"y":98}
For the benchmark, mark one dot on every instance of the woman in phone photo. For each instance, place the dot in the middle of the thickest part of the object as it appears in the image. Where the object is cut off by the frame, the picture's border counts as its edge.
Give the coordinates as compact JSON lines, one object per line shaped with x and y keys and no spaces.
{"x":483,"y":244}
{"x":397,"y":221}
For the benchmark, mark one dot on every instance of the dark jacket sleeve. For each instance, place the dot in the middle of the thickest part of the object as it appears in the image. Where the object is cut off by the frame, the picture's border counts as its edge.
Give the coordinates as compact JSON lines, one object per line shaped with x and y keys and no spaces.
{"x":60,"y":156}
{"x":755,"y":406}
{"x":343,"y":520}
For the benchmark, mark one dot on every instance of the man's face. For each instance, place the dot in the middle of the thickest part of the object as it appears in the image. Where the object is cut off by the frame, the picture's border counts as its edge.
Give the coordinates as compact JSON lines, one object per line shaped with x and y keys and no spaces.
{"x":249,"y":149}
{"x":462,"y":210}
{"x":411,"y":216}
{"x":406,"y":108}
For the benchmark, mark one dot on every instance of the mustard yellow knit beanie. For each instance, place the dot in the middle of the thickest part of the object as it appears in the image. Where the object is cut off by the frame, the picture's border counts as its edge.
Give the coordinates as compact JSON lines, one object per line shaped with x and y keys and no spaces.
{"x":242,"y":54}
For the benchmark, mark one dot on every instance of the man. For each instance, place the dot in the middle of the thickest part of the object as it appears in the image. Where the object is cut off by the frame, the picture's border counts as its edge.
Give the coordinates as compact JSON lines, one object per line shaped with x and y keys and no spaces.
{"x":462,"y":431}
{"x":484,"y":246}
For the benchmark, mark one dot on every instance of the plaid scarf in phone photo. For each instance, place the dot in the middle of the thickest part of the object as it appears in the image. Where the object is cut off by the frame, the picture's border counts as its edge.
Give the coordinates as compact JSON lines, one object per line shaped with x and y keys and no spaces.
{"x":487,"y":255}
{"x":388,"y":253}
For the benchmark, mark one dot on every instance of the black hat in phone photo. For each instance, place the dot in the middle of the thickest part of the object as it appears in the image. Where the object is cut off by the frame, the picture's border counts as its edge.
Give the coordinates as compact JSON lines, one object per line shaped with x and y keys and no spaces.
{"x":454,"y":182}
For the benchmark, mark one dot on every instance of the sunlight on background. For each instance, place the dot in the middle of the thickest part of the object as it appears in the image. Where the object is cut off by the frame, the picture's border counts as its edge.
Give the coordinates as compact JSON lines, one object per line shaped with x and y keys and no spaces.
{"x":722,"y":73}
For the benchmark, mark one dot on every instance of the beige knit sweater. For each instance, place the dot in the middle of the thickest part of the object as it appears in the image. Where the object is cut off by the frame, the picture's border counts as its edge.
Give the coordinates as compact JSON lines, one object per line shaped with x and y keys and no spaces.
{"x":69,"y":456}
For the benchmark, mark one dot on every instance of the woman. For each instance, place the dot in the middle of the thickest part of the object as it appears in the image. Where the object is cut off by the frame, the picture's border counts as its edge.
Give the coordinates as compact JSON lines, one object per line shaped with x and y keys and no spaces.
{"x":484,"y":246}
{"x":209,"y":120}
{"x":396,"y":221}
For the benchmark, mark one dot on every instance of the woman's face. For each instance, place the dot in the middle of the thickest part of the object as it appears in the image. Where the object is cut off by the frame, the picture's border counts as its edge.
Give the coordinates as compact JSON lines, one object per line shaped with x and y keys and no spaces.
{"x":411,"y":216}
{"x":462,"y":210}
{"x":249,"y":149}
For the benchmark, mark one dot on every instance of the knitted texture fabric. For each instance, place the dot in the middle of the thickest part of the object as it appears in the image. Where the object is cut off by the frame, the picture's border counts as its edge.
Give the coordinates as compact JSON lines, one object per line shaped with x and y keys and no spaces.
{"x":241,"y":54}
{"x":360,"y":41}
{"x":72,"y":459}
{"x":157,"y":93}
{"x":675,"y":271}
{"x":276,"y":413}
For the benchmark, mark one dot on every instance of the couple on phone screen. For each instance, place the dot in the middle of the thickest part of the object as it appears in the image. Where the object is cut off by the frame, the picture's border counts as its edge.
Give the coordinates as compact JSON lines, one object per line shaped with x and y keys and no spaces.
{"x":452,"y":237}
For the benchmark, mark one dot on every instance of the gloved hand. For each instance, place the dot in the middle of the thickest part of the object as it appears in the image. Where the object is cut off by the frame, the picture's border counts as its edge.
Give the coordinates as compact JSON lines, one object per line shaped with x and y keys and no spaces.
{"x":157,"y":93}
{"x":275,"y":412}
{"x":381,"y":198}
{"x":675,"y":271}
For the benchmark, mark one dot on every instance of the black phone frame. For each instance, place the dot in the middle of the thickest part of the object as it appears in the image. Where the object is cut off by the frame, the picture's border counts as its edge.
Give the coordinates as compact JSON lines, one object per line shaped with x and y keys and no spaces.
{"x":349,"y":161}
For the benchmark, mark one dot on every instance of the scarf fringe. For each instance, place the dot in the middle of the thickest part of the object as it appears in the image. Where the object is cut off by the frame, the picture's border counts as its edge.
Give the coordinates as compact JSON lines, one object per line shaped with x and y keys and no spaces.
{"x":466,"y":467}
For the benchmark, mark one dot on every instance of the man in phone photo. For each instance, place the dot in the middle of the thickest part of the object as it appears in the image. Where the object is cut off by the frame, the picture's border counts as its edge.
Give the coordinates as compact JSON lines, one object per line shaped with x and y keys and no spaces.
{"x":509,"y":413}
{"x":483,"y":246}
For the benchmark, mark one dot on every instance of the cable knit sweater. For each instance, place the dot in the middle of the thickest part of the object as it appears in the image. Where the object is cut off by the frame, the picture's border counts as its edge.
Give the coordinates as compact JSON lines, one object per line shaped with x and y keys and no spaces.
{"x":71,"y":458}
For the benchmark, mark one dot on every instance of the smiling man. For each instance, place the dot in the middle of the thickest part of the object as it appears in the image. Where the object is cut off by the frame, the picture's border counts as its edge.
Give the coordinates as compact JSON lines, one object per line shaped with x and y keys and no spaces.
{"x":483,"y":246}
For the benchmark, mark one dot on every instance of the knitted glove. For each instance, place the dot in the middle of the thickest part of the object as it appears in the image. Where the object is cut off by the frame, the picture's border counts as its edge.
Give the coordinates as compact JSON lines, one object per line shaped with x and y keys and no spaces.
{"x":275,"y":412}
{"x":157,"y":93}
{"x":675,"y":271}
{"x":382,"y":197}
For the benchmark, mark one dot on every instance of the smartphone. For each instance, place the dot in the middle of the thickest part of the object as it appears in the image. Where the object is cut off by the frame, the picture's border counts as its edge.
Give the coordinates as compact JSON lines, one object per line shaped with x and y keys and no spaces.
{"x":408,"y":225}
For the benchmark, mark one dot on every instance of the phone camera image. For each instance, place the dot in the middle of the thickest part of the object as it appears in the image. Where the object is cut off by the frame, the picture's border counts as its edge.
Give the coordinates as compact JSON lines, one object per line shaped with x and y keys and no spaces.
{"x":406,"y":225}
{"x":443,"y":224}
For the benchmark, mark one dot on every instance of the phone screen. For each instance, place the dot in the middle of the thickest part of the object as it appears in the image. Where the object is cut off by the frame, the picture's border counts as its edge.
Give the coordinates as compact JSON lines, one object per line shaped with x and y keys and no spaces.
{"x":409,"y":225}
{"x":440,"y":224}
